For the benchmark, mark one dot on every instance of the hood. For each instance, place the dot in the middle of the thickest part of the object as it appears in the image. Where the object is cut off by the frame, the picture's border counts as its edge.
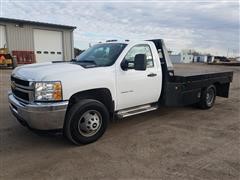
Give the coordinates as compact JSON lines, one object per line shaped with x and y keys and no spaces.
{"x":41,"y":71}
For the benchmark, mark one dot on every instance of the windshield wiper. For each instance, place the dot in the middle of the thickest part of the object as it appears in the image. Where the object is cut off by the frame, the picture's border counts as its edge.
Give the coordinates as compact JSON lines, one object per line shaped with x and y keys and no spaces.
{"x":87,"y":61}
{"x":73,"y":60}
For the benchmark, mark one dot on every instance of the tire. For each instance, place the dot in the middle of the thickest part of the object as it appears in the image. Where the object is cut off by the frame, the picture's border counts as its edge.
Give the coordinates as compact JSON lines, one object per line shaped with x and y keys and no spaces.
{"x":208,"y":97}
{"x":86,"y":121}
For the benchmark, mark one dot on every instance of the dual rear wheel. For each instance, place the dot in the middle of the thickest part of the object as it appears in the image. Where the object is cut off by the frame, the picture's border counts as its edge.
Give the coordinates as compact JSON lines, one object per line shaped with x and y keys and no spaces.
{"x":208,"y":97}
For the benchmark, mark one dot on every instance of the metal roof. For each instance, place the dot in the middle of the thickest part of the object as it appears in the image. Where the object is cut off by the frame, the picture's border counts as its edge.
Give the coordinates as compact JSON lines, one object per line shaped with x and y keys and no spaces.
{"x":20,"y":21}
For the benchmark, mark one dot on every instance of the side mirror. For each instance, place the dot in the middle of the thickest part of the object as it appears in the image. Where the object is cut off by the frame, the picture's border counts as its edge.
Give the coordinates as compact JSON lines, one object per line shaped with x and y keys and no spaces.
{"x":140,"y":62}
{"x":124,"y":65}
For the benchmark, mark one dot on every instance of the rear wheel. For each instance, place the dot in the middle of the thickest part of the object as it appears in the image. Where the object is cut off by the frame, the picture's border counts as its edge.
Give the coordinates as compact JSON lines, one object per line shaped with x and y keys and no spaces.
{"x":86,"y":121}
{"x":208,"y":97}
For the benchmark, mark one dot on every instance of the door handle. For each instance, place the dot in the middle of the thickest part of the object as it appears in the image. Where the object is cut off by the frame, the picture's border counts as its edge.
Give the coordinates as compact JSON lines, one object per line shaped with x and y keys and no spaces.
{"x":152,"y":75}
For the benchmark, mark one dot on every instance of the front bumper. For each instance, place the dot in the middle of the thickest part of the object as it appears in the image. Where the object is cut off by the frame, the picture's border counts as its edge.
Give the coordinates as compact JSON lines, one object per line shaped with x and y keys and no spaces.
{"x":41,"y":116}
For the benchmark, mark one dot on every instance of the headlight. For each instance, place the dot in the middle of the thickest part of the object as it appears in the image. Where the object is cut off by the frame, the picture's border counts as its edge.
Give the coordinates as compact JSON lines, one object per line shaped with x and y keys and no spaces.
{"x":48,"y":91}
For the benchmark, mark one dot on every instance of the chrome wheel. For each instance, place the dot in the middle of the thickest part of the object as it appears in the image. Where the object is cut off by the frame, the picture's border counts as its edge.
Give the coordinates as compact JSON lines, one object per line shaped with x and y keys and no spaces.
{"x":210,"y":96}
{"x":89,"y":123}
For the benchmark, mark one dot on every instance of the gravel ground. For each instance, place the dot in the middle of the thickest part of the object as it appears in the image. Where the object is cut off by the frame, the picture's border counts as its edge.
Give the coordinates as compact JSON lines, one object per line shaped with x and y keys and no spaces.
{"x":170,"y":143}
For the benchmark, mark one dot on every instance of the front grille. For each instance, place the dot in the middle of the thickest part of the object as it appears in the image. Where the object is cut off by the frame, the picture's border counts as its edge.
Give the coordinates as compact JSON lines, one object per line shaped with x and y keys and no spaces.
{"x":22,"y":95}
{"x":21,"y":89}
{"x":20,"y":81}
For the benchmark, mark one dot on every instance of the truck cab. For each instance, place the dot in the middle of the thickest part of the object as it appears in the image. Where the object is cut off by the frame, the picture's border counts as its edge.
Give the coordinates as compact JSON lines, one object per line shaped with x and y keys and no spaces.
{"x":109,"y":80}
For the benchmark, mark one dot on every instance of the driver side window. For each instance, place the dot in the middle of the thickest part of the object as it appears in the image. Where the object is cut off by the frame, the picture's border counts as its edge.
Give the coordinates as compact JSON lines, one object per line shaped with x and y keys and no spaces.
{"x":139,"y":49}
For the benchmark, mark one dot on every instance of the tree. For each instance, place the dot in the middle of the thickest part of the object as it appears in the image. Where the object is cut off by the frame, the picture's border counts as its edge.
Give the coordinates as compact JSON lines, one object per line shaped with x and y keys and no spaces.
{"x":77,"y":52}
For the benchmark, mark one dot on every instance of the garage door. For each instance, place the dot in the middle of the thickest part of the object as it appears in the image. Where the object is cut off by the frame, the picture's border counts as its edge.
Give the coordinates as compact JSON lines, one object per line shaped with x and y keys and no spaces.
{"x":48,"y":45}
{"x":2,"y":36}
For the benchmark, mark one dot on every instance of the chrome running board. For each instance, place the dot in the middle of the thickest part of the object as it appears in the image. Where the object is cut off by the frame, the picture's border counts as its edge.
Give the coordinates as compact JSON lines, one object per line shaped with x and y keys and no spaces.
{"x":136,"y":110}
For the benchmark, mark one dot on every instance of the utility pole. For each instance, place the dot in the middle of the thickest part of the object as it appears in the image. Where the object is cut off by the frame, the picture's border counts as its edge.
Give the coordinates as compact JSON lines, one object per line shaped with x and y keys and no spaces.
{"x":227,"y":51}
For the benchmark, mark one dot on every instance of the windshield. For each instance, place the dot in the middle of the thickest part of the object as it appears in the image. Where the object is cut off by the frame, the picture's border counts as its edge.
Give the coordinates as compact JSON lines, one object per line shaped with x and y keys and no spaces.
{"x":101,"y":54}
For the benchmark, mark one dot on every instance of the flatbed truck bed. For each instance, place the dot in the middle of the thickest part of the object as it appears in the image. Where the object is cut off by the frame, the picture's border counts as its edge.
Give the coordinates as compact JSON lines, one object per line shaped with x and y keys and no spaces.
{"x":181,"y":87}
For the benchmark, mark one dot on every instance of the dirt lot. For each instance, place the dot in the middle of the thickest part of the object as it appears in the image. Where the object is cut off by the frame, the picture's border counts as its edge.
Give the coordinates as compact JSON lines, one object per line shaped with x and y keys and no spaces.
{"x":170,"y":143}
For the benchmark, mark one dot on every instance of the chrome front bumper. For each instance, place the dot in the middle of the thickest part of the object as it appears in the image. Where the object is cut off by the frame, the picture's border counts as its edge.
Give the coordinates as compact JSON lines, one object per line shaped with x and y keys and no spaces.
{"x":41,"y":116}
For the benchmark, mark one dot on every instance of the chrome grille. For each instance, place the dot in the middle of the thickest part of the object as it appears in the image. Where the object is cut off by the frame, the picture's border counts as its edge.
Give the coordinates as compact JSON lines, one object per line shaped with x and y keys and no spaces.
{"x":22,"y":89}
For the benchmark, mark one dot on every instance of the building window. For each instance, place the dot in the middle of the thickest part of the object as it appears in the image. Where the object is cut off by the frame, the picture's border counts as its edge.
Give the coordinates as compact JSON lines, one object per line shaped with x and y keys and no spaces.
{"x":39,"y":52}
{"x":52,"y":52}
{"x":45,"y":52}
{"x":59,"y":53}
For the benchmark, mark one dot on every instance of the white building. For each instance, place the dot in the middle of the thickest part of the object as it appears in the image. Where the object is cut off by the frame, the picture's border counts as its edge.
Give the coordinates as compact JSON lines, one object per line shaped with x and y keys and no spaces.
{"x":183,"y":57}
{"x":176,"y":59}
{"x":203,"y":59}
{"x":186,"y":56}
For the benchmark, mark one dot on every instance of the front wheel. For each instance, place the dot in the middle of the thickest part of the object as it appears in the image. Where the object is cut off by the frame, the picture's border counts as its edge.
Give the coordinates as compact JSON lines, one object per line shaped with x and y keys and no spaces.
{"x":86,"y":121}
{"x":208,"y":97}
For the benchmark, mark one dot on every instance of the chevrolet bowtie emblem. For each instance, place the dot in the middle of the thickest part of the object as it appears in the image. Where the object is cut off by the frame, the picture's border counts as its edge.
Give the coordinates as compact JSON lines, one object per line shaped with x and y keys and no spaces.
{"x":13,"y":85}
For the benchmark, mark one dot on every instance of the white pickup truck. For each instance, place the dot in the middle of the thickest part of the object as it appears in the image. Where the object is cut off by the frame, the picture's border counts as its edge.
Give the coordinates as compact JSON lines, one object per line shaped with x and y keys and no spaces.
{"x":112,"y":79}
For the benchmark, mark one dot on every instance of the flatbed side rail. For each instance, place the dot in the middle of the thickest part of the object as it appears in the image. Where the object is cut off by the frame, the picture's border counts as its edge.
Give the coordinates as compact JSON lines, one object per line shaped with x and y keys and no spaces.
{"x":181,"y":91}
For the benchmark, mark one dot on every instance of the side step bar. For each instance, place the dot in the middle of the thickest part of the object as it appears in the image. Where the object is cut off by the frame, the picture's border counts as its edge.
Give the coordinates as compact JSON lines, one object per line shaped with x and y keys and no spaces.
{"x":136,"y":110}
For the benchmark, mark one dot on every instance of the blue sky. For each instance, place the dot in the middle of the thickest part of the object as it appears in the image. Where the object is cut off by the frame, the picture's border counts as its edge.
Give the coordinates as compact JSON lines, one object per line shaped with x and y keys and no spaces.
{"x":207,"y":26}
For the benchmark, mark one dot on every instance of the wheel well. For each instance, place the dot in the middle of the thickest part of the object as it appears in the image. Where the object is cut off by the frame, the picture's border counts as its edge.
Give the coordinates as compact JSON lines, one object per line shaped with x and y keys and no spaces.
{"x":102,"y":94}
{"x":217,"y":86}
{"x":222,"y":89}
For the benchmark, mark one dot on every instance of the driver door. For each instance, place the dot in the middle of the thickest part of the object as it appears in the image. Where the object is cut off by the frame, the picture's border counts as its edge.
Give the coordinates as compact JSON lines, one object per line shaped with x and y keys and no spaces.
{"x":134,"y":87}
